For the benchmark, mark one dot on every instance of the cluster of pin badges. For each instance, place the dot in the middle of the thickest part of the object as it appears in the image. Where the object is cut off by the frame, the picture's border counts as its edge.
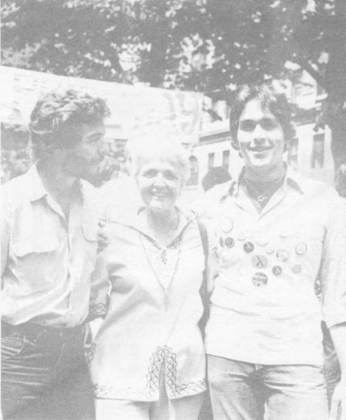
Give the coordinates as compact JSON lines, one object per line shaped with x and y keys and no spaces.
{"x":260,"y":261}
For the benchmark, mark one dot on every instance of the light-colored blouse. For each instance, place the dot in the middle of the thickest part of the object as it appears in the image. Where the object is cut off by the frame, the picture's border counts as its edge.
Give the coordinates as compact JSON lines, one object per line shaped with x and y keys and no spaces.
{"x":153,"y":313}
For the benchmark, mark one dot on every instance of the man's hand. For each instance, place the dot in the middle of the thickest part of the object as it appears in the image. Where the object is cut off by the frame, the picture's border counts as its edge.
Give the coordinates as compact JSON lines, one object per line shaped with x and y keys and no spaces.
{"x":102,"y":238}
{"x":338,"y":407}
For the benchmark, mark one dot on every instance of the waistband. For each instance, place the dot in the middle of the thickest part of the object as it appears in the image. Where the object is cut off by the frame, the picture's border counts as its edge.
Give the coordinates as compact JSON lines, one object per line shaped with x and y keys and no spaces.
{"x":39,"y":331}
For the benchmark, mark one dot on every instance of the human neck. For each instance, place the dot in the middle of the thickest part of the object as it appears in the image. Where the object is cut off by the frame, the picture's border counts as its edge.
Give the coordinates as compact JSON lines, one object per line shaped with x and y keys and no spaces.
{"x":264,"y":174}
{"x":165,"y":221}
{"x":55,"y":181}
{"x":162,"y":226}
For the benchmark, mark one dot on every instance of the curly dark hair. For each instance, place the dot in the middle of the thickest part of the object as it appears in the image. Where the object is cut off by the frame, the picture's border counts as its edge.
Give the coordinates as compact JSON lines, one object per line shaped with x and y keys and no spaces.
{"x":58,"y":114}
{"x":269,"y":98}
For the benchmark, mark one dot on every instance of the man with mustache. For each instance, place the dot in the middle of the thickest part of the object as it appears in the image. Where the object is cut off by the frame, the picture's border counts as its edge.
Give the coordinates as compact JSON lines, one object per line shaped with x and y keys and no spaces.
{"x":49,"y":245}
{"x":278,"y":233}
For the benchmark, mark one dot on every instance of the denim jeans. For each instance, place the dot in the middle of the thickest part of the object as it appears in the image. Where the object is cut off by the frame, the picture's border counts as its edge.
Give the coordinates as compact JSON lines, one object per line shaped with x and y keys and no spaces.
{"x":246,"y":391}
{"x":44,"y":374}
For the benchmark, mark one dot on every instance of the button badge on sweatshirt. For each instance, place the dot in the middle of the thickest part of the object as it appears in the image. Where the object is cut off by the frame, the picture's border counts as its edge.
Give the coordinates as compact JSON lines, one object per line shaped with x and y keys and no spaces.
{"x":277,"y":270}
{"x":262,"y":239}
{"x":259,"y":279}
{"x":259,"y":261}
{"x":282,"y":255}
{"x":301,"y":248}
{"x":248,"y":247}
{"x":229,"y":242}
{"x":242,"y":236}
{"x":269,"y":249}
{"x":226,"y":224}
{"x":296,"y":268}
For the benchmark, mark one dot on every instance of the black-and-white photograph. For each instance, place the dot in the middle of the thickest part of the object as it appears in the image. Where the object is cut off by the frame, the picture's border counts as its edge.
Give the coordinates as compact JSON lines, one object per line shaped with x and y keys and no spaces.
{"x":173,"y":209}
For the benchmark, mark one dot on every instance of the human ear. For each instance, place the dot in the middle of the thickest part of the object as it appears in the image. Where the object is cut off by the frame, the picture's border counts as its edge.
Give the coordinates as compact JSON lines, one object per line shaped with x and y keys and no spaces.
{"x":58,"y":154}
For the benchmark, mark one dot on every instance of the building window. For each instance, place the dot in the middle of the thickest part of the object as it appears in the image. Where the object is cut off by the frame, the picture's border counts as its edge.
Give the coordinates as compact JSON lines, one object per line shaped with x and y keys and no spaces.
{"x":211,"y":158}
{"x":225,"y":159}
{"x":317,"y":156}
{"x":194,"y":169}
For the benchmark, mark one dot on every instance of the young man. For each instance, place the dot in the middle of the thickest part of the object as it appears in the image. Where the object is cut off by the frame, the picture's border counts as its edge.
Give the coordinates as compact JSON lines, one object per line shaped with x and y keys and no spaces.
{"x":49,"y":245}
{"x":278,"y":232}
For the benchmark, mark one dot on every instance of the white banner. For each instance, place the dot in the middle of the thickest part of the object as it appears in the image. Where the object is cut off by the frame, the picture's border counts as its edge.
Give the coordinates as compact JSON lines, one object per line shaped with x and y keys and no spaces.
{"x":132,"y":107}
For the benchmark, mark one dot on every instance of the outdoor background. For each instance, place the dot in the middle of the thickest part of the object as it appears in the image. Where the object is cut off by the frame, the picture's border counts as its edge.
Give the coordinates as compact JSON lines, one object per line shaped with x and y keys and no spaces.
{"x":204,"y":46}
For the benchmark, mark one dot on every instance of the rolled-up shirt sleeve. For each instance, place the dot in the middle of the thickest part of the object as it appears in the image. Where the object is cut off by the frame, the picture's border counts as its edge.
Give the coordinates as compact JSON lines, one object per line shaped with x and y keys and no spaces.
{"x":333,"y":267}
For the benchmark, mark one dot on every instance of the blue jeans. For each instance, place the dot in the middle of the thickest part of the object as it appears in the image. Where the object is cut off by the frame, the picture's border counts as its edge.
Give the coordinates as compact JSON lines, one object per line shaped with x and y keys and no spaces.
{"x":246,"y":391}
{"x":44,"y":374}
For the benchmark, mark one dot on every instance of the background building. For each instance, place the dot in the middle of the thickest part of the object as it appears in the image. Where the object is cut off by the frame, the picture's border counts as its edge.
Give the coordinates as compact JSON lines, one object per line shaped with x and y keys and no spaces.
{"x":309,"y":152}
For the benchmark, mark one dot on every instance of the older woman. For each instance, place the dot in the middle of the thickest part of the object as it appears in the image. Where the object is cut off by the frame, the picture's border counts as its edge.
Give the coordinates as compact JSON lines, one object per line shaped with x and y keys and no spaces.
{"x":148,"y":360}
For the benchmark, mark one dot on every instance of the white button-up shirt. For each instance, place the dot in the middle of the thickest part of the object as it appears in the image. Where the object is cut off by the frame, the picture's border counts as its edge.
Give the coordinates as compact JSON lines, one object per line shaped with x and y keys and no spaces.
{"x":46,"y":261}
{"x":264,"y":307}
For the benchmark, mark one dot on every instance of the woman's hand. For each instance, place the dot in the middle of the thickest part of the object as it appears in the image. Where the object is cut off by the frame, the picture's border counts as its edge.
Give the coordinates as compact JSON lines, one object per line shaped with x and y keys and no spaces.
{"x":338,"y":407}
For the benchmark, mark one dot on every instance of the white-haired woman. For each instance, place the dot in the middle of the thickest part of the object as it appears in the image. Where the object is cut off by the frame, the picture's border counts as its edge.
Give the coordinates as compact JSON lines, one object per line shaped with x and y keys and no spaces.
{"x":147,"y":360}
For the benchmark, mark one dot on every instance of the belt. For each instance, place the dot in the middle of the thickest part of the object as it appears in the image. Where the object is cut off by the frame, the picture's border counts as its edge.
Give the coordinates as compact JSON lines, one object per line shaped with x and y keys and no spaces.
{"x":39,"y":331}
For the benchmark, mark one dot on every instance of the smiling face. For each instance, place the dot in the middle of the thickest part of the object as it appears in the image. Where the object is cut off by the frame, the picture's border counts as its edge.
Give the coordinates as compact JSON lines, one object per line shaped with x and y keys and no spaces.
{"x":261,"y":141}
{"x":84,"y":158}
{"x":159,"y":184}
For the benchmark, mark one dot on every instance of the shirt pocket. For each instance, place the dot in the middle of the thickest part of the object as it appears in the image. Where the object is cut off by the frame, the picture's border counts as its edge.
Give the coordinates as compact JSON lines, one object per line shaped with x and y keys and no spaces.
{"x":36,"y":231}
{"x":35,"y":244}
{"x":37,"y":262}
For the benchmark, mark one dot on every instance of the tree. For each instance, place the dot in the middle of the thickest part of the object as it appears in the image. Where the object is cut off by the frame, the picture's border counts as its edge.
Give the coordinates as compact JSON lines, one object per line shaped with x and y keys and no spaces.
{"x":205,"y":45}
{"x":255,"y":39}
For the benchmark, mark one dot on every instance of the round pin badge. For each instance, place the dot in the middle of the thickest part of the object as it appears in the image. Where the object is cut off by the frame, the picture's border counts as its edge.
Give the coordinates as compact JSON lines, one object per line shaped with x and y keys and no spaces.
{"x":229,"y":242}
{"x":269,"y":249}
{"x":261,"y":239}
{"x":259,"y":279}
{"x":277,"y":270}
{"x":285,"y":232}
{"x":301,"y":248}
{"x":241,"y":236}
{"x":259,"y":261}
{"x":226,"y":224}
{"x":296,"y":268}
{"x":282,"y":255}
{"x":248,"y":247}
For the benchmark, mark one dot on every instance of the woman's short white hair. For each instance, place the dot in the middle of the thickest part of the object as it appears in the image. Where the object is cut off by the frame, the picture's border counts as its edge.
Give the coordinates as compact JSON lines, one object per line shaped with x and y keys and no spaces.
{"x":157,"y":144}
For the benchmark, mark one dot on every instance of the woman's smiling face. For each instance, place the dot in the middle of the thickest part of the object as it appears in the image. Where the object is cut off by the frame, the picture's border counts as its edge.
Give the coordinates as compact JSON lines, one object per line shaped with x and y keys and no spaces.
{"x":159,"y":184}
